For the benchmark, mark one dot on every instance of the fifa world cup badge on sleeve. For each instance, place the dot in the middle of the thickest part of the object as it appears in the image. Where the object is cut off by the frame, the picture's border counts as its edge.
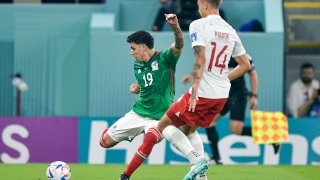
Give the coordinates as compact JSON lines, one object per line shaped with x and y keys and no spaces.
{"x":194,"y":36}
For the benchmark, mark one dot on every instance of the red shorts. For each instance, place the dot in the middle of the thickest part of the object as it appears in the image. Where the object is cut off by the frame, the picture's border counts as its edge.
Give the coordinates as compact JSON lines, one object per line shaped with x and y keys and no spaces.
{"x":206,"y":110}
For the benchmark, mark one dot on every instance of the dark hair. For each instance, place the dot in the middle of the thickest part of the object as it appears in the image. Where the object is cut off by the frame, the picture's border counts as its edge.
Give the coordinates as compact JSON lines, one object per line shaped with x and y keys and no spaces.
{"x":141,"y":37}
{"x":216,"y":3}
{"x":306,"y":65}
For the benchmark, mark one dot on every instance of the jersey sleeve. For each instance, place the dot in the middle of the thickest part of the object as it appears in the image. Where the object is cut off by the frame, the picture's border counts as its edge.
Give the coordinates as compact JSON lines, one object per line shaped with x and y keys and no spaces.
{"x":197,"y":35}
{"x":292,"y":101}
{"x":238,"y":47}
{"x":169,"y":57}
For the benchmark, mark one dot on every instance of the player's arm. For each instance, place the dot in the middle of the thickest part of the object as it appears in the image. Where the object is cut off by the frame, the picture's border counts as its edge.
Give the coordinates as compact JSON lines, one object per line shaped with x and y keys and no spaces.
{"x":254,"y":89}
{"x":197,"y":73}
{"x":135,"y":88}
{"x":173,"y":22}
{"x":243,"y":67}
{"x":304,"y":109}
{"x":292,"y":101}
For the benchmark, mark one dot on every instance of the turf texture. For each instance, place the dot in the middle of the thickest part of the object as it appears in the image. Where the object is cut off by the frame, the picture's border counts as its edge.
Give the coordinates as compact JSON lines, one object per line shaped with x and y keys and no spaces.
{"x":163,"y":172}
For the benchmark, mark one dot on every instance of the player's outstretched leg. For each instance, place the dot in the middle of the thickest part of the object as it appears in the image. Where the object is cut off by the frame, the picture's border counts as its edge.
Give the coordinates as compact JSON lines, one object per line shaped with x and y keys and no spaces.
{"x":182,"y":143}
{"x":153,"y":136}
{"x":200,"y":167}
{"x":197,"y":143}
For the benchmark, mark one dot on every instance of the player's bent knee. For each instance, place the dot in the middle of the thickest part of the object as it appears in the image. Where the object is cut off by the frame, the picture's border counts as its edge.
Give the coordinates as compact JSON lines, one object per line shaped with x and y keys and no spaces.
{"x":103,"y":143}
{"x":236,"y":131}
{"x":236,"y":127}
{"x":156,"y":133}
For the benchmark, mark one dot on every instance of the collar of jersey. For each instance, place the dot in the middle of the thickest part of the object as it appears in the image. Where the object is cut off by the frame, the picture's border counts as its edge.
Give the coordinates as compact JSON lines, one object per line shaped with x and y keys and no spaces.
{"x":153,"y":57}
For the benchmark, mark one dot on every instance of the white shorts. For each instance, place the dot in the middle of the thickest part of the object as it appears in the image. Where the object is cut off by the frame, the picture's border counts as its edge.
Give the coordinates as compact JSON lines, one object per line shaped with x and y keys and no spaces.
{"x":130,"y":126}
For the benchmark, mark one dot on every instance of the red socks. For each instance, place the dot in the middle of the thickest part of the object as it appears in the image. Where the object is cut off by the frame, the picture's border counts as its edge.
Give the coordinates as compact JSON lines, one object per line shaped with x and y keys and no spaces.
{"x":151,"y":138}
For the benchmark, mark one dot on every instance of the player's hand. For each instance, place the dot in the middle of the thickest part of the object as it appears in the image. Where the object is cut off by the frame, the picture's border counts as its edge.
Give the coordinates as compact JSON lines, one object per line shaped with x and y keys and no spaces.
{"x":314,"y":94}
{"x":135,"y":88}
{"x":186,"y":79}
{"x":171,"y":19}
{"x":253,"y":102}
{"x":193,"y":99}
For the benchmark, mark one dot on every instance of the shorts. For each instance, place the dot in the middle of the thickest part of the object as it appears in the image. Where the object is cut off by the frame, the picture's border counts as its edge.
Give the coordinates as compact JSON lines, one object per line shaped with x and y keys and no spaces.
{"x":236,"y":104}
{"x":204,"y":114}
{"x":130,"y":126}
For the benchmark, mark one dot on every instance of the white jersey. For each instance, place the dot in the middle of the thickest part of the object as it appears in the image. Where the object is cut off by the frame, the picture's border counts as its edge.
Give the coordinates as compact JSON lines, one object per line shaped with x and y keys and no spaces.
{"x":221,"y":42}
{"x":298,"y":94}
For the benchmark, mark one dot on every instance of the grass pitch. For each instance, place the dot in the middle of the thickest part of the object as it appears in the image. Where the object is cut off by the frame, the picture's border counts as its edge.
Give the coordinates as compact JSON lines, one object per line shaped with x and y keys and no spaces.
{"x":163,"y":172}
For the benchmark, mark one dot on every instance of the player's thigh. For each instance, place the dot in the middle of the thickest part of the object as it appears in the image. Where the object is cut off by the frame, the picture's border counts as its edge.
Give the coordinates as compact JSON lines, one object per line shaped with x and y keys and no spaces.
{"x":226,"y":107}
{"x":204,"y":114}
{"x":224,"y":111}
{"x":187,"y":130}
{"x":127,"y":127}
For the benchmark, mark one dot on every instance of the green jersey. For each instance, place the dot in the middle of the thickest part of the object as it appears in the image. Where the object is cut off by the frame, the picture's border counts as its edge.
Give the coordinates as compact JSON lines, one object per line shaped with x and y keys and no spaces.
{"x":157,"y":87}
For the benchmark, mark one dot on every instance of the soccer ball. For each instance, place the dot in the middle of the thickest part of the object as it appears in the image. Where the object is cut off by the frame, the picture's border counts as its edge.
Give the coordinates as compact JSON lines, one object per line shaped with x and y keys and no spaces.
{"x":58,"y":170}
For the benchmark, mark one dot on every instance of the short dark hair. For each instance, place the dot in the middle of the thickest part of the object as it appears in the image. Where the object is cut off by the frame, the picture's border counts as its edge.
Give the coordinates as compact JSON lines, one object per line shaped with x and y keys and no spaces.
{"x":141,"y":37}
{"x":216,"y":3}
{"x":306,"y":65}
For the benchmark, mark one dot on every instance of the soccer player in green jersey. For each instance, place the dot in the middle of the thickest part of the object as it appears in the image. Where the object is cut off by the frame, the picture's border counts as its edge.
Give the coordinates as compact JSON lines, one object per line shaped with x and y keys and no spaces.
{"x":154,"y":72}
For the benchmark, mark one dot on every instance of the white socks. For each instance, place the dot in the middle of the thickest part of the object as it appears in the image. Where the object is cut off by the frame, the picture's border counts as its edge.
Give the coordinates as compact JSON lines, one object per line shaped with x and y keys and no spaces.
{"x":181,"y":142}
{"x":197,"y":143}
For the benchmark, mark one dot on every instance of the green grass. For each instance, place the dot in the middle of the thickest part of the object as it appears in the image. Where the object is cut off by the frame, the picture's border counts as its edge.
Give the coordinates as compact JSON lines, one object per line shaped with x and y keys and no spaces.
{"x":163,"y":172}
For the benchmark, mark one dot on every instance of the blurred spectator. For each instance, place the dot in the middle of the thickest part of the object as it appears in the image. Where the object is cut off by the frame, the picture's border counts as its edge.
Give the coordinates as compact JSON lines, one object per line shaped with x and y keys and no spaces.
{"x":167,"y":7}
{"x":189,"y":12}
{"x":303,"y":98}
{"x":252,"y":26}
{"x":186,"y":10}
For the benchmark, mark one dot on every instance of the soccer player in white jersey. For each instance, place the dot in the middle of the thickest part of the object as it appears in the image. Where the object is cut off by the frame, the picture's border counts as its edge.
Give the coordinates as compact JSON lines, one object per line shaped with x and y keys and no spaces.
{"x":214,"y":41}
